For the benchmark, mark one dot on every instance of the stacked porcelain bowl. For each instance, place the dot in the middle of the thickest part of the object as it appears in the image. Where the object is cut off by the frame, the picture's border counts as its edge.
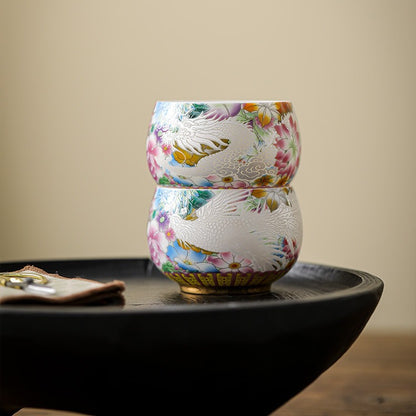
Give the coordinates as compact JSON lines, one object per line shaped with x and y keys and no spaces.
{"x":224,"y":218}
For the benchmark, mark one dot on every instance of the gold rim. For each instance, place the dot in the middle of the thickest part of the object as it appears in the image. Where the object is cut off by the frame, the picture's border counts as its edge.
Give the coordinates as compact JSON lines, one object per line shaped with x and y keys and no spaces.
{"x":231,"y":290}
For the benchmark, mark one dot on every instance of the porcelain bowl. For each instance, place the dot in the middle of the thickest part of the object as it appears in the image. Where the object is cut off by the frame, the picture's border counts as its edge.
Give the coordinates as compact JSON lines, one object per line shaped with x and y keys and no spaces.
{"x":223,"y":144}
{"x":224,"y":241}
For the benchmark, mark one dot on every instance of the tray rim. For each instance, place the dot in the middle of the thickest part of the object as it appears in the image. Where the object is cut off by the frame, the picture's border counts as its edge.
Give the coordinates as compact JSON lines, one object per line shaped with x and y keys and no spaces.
{"x":369,"y":285}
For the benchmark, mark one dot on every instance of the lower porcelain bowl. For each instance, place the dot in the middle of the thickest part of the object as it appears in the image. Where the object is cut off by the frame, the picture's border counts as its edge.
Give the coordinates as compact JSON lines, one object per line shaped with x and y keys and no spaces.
{"x":224,"y":241}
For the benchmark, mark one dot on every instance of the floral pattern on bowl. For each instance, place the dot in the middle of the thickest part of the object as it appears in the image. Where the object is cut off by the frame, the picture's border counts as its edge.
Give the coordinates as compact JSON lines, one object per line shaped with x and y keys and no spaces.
{"x":223,"y":145}
{"x":238,"y":240}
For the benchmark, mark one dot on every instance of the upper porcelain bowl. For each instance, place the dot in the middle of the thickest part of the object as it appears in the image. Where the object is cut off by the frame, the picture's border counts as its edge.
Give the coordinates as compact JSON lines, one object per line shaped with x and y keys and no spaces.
{"x":223,"y":144}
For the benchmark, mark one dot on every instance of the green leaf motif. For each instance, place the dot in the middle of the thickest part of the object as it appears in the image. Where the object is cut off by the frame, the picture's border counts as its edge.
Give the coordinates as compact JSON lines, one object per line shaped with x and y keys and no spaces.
{"x":260,"y":135}
{"x":254,"y":204}
{"x":164,"y":181}
{"x":197,"y":110}
{"x":293,"y":148}
{"x":204,"y":194}
{"x":168,"y":267}
{"x":245,"y":116}
{"x":190,"y":201}
{"x":200,"y":198}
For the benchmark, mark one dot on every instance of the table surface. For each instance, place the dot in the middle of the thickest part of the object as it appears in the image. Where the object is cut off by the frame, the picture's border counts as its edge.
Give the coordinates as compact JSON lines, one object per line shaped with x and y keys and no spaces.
{"x":377,"y":376}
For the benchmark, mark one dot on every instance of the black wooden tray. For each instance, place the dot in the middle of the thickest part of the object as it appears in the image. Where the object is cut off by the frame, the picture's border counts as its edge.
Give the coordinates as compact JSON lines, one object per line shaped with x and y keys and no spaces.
{"x":163,"y":352}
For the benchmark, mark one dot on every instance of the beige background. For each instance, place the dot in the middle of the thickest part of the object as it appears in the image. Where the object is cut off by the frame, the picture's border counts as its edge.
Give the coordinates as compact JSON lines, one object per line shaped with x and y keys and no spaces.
{"x":79,"y":80}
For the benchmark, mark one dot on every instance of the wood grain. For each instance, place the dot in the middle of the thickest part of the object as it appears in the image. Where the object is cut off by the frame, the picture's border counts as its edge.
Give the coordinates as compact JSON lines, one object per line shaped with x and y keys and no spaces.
{"x":376,"y":377}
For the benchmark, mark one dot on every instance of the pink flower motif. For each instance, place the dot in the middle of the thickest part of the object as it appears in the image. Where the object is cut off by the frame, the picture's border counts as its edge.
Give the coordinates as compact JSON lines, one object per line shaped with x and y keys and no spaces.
{"x":288,"y":251}
{"x":157,"y":244}
{"x":283,"y":132}
{"x":166,"y":149}
{"x":152,"y":153}
{"x":282,"y":158}
{"x":170,"y":234}
{"x":288,"y":147}
{"x":289,"y":137}
{"x":226,"y":182}
{"x":227,"y":262}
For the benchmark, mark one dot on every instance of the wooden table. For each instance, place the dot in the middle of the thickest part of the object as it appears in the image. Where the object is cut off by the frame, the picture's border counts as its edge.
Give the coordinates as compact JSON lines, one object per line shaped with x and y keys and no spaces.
{"x":376,"y":377}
